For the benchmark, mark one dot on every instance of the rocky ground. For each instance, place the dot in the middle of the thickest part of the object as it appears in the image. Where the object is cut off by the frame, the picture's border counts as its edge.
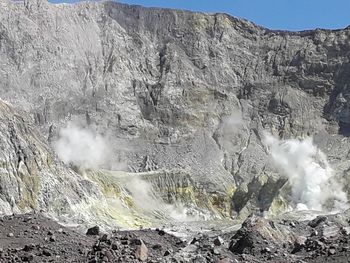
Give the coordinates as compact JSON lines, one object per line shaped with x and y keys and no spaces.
{"x":35,"y":238}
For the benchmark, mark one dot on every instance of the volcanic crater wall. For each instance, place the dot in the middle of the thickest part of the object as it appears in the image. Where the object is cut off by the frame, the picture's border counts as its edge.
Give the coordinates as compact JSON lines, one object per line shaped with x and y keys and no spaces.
{"x":183,"y":90}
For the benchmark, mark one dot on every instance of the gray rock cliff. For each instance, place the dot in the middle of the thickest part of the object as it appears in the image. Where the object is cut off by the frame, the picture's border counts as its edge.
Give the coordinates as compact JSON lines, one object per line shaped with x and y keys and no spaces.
{"x":185,"y":91}
{"x":31,"y":177}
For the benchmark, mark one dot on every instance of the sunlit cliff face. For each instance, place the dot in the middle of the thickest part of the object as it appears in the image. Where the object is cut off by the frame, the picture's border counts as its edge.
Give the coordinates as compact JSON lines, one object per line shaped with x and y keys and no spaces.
{"x":314,"y":185}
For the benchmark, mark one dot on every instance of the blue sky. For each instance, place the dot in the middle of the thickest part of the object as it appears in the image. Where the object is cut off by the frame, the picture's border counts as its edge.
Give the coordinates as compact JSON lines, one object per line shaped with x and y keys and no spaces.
{"x":274,"y":14}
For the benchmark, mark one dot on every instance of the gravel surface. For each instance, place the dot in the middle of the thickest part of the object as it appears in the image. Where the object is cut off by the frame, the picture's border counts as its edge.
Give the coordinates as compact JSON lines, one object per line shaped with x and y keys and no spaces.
{"x":35,"y":238}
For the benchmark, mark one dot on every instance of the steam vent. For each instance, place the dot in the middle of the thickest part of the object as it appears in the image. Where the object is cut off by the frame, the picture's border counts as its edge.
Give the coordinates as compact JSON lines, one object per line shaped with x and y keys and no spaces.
{"x":132,"y":134}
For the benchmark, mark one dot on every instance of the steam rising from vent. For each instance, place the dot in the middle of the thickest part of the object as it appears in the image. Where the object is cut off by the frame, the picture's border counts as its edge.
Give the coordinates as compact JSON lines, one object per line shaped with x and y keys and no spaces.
{"x":147,"y":201}
{"x":312,"y":180}
{"x":88,"y":150}
{"x":81,"y":147}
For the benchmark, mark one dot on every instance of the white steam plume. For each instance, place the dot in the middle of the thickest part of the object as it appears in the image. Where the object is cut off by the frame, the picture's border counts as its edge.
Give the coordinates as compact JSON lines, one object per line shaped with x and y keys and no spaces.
{"x":147,"y":201}
{"x":81,"y":147}
{"x":312,"y":179}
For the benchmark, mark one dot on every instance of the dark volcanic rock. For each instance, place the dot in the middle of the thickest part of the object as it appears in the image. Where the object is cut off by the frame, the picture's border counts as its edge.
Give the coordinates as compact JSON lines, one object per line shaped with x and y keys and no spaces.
{"x":75,"y":247}
{"x":218,"y":241}
{"x":244,"y":241}
{"x":93,"y":231}
{"x":318,"y":220}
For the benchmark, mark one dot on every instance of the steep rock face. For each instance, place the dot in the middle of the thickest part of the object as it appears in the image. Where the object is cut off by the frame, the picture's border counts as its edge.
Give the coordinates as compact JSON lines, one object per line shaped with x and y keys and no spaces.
{"x":158,"y":197}
{"x":185,"y":90}
{"x":33,"y":179}
{"x":30,"y":176}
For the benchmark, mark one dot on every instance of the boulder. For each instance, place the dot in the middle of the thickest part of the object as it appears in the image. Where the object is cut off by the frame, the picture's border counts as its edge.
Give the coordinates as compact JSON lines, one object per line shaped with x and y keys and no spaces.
{"x":218,"y":241}
{"x":141,"y":252}
{"x":345,"y":230}
{"x":330,"y":232}
{"x":93,"y":231}
{"x":318,"y":220}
